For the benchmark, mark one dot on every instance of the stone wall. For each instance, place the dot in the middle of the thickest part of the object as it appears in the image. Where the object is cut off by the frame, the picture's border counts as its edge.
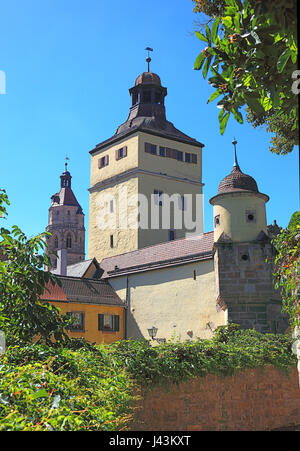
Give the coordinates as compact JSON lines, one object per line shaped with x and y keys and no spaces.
{"x":254,"y":400}
{"x":245,"y":285}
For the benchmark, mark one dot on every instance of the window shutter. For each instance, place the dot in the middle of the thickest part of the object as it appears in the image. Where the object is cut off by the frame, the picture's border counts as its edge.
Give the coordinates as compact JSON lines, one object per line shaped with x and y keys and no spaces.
{"x":106,"y":160}
{"x":148,"y":147}
{"x":125,"y":151}
{"x":194,"y":158}
{"x":99,"y":164}
{"x":168,"y":152}
{"x":116,"y":323}
{"x":100,"y":322}
{"x":117,"y":154}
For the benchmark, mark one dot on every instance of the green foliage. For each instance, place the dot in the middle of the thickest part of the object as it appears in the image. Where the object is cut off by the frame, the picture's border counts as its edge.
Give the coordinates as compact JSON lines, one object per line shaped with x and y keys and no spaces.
{"x":251,"y":51}
{"x":23,"y":316}
{"x":79,"y":386}
{"x":229,"y":351}
{"x":44,"y":388}
{"x":287,"y":268}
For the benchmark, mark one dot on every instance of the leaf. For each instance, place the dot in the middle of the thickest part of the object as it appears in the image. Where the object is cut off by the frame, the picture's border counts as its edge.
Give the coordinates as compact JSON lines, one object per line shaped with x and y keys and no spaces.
{"x":237,"y":115}
{"x":208,"y":34}
{"x":201,"y":36}
{"x":214,"y":96}
{"x":283,"y":59}
{"x":199,"y":61}
{"x":223,"y":122}
{"x":206,"y":66}
{"x":227,"y":21}
{"x":254,"y":105}
{"x":40,"y":394}
{"x":214,"y":30}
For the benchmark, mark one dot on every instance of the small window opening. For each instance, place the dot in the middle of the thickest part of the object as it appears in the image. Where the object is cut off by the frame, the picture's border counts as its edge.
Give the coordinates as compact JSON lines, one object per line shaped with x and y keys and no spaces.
{"x":111,"y":241}
{"x":245,"y":257}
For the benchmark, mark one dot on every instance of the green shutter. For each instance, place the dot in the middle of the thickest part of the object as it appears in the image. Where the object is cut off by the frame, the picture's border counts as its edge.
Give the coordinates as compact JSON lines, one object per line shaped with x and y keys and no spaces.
{"x":100,"y":322}
{"x":116,"y":323}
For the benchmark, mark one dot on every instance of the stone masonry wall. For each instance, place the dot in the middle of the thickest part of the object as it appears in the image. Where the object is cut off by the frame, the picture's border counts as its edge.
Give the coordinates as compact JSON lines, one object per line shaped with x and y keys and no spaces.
{"x":245,"y":285}
{"x":253,"y":400}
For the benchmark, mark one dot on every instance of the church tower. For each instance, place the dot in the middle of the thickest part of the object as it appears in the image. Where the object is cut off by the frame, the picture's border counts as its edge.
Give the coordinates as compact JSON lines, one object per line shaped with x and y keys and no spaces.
{"x":66,"y":222}
{"x":243,"y":256}
{"x":144,"y":178}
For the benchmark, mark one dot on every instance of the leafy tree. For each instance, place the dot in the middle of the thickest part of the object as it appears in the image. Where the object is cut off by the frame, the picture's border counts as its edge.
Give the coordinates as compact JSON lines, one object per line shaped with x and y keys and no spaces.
{"x":23,"y":316}
{"x":251,"y":51}
{"x":287,"y":268}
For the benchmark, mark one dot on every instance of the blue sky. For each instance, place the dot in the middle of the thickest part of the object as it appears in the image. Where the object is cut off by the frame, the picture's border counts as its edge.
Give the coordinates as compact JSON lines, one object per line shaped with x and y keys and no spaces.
{"x":69,"y":65}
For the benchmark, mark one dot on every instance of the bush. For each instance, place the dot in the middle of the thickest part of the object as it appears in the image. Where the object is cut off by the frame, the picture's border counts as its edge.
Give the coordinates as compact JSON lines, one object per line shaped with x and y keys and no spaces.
{"x":44,"y":388}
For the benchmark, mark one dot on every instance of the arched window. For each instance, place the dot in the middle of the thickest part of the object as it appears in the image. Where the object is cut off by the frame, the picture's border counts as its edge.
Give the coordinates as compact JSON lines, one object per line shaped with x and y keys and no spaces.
{"x":69,"y":241}
{"x":56,"y":242}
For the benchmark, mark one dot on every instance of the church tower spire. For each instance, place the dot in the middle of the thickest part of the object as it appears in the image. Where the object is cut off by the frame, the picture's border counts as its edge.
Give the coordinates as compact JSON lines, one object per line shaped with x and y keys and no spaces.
{"x":66,"y":222}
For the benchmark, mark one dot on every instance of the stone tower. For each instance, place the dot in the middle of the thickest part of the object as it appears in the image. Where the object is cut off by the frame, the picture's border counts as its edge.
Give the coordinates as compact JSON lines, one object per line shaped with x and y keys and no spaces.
{"x":145,"y":169}
{"x":243,"y":254}
{"x":66,"y":223}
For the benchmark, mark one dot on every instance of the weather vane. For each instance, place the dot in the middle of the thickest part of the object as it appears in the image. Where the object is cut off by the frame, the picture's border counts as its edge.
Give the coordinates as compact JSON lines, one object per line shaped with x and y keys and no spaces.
{"x":66,"y":163}
{"x":148,"y":59}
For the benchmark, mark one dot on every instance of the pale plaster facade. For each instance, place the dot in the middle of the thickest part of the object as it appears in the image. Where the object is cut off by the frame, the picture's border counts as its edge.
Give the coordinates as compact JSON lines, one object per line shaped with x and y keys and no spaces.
{"x":179,"y":300}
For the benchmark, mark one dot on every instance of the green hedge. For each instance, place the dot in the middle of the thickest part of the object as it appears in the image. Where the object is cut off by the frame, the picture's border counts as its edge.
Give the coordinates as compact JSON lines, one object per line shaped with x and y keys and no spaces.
{"x":88,"y":387}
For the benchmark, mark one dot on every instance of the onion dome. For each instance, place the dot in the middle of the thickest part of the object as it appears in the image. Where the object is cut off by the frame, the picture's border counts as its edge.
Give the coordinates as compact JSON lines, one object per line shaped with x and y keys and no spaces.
{"x":148,"y":78}
{"x":237,"y":181}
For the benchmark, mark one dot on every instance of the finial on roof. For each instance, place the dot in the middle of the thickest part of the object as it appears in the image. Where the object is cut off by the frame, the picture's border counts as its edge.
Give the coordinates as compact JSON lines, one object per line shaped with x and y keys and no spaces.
{"x":66,"y":163}
{"x":235,"y":164}
{"x":148,"y":59}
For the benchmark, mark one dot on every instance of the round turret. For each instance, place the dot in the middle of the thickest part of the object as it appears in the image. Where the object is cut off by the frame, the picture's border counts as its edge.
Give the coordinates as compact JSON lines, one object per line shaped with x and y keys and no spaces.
{"x":239,"y":207}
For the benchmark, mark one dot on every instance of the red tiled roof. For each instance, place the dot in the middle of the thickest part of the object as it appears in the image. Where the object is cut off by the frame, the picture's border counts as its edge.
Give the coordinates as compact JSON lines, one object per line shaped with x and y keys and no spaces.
{"x":163,"y":254}
{"x":81,"y":290}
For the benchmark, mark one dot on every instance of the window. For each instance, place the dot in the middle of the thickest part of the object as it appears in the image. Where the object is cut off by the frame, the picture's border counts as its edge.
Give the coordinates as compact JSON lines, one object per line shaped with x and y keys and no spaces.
{"x":171,"y":235}
{"x":179,"y":155}
{"x":171,"y":153}
{"x":77,"y":319}
{"x":162,"y":151}
{"x":111,"y":241}
{"x":187,"y":157}
{"x":69,"y":241}
{"x":147,"y":96}
{"x":194,"y":158}
{"x":121,"y":153}
{"x":111,"y":206}
{"x":109,"y":322}
{"x":56,"y":242}
{"x":217,"y":220}
{"x":181,"y":201}
{"x":158,"y":197}
{"x":103,"y":161}
{"x":250,"y":216}
{"x":157,"y":97}
{"x":150,"y":148}
{"x":68,"y":212}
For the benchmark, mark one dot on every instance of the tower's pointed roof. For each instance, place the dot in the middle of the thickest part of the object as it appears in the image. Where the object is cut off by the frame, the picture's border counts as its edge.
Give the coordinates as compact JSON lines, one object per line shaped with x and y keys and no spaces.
{"x":65,"y":196}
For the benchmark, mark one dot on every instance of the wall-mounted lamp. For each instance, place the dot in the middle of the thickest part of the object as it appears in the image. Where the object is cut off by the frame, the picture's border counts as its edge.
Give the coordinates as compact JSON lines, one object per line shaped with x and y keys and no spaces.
{"x":152,"y":331}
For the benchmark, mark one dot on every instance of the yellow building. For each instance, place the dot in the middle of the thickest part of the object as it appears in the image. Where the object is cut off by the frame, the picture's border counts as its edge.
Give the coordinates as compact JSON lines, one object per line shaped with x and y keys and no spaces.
{"x":96,"y":309}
